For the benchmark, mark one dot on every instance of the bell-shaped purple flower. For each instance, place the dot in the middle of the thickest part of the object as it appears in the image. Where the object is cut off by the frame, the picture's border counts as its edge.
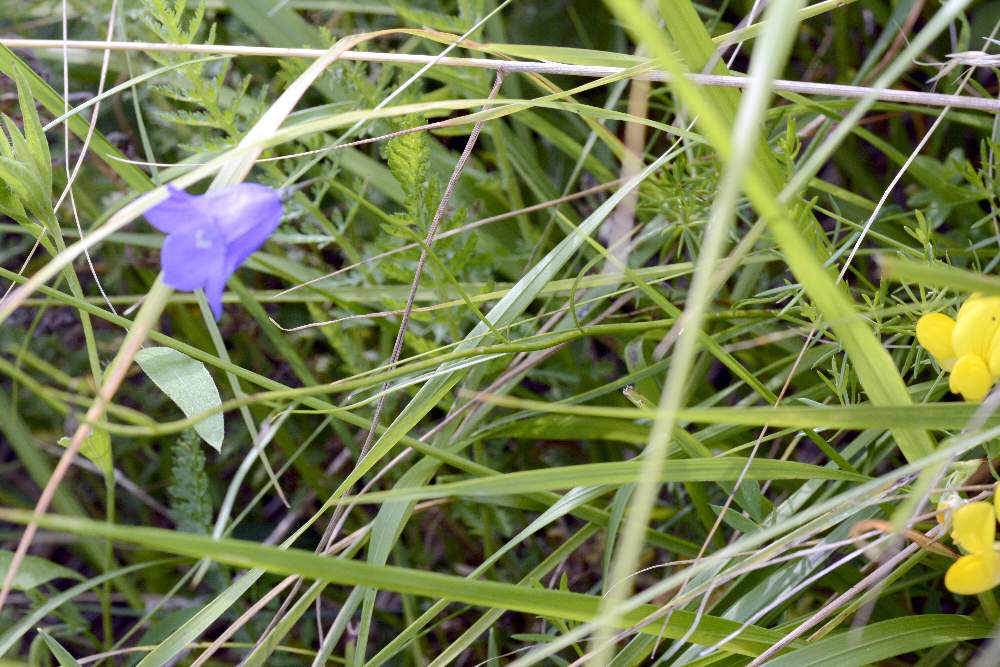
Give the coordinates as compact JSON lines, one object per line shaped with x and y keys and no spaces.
{"x":210,"y":235}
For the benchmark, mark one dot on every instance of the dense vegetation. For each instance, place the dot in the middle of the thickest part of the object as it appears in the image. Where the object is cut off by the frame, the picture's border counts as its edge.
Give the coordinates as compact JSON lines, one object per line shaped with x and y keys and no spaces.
{"x":579,"y":361}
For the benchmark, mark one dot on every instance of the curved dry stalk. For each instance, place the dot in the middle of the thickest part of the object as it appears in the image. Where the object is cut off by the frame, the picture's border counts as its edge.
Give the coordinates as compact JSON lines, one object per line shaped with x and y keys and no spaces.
{"x":914,"y":536}
{"x":425,"y":253}
{"x":72,"y":174}
{"x":589,"y":71}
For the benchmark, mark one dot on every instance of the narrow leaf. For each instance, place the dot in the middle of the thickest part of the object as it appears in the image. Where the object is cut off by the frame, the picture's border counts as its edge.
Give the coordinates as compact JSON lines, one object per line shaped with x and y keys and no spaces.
{"x":616,"y":473}
{"x":96,"y":448}
{"x":881,"y":641}
{"x":34,"y":571}
{"x":64,"y":657}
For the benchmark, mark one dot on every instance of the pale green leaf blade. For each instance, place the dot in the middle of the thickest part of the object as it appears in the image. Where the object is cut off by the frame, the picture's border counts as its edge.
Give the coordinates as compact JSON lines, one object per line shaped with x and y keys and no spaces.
{"x":188,"y":384}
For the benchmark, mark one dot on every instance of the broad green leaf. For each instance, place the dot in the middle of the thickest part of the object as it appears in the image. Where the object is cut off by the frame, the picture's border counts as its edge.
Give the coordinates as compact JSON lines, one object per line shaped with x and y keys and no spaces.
{"x":34,"y":571}
{"x":188,"y":384}
{"x":96,"y":448}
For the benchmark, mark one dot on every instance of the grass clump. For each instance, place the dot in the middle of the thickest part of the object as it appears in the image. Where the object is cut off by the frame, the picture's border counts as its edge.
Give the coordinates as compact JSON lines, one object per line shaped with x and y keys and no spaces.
{"x":549,"y":364}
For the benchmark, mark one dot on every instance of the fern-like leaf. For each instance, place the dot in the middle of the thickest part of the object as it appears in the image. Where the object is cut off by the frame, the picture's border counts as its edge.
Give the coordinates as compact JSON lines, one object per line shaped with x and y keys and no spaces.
{"x":190,"y":503}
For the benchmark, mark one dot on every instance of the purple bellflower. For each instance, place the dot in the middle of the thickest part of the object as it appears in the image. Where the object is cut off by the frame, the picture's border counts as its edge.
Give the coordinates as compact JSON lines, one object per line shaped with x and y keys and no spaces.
{"x":209,"y":236}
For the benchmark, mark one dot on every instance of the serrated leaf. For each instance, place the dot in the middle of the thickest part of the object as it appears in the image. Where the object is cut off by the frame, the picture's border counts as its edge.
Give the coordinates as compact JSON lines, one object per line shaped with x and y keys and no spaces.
{"x":190,"y":503}
{"x":34,"y":135}
{"x":190,"y":118}
{"x":53,"y":102}
{"x":188,"y":384}
{"x":34,"y":571}
{"x":97,"y":449}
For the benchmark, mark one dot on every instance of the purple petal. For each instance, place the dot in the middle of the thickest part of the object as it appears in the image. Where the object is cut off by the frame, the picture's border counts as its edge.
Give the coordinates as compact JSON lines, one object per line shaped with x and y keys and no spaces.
{"x":245,"y":209}
{"x":192,"y":258}
{"x":214,"y":287}
{"x":179,"y":212}
{"x":210,"y":235}
{"x":242,"y":247}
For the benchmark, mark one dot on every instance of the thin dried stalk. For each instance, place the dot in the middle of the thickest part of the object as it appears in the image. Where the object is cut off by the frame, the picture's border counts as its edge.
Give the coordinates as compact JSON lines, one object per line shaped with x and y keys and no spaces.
{"x":591,"y":71}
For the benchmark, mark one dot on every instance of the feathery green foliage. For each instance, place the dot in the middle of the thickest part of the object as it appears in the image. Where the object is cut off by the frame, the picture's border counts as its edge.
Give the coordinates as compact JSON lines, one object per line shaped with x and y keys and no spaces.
{"x":190,"y":504}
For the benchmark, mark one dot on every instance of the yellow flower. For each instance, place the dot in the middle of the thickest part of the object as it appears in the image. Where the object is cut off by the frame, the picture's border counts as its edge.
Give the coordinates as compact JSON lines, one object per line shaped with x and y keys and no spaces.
{"x":946,"y":506}
{"x":967,"y":346}
{"x":974,"y":530}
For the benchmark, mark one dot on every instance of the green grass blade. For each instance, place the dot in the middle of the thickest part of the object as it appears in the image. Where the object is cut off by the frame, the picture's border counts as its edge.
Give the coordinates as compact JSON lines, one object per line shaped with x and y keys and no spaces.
{"x":611,"y":474}
{"x":246,"y":554}
{"x":884,"y":640}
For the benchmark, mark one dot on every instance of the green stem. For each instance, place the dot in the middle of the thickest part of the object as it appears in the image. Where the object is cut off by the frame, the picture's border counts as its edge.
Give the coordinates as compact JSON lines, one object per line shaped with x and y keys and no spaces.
{"x":109,"y":499}
{"x":989,"y":606}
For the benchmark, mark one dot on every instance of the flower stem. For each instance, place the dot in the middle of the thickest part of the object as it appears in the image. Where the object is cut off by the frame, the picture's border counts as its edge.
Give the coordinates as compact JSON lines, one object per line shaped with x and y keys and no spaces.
{"x":988,"y":603}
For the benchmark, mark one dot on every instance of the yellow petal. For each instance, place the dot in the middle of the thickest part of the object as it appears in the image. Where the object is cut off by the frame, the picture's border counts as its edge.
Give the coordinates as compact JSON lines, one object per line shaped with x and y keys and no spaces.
{"x":993,"y":360}
{"x":996,"y":501}
{"x":971,"y":378}
{"x":974,"y":574}
{"x":947,"y":505}
{"x":934,"y":332}
{"x":975,"y":527}
{"x":978,"y":321}
{"x":972,"y":298}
